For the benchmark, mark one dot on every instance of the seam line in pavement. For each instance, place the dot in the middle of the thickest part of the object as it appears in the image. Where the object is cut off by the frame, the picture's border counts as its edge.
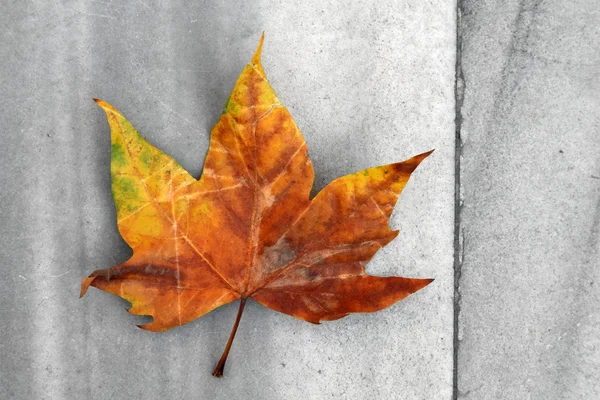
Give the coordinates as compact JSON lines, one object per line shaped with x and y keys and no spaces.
{"x":459,"y":90}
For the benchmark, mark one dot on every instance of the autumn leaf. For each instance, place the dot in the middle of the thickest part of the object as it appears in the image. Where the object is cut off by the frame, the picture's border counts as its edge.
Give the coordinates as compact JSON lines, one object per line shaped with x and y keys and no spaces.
{"x":247,"y":228}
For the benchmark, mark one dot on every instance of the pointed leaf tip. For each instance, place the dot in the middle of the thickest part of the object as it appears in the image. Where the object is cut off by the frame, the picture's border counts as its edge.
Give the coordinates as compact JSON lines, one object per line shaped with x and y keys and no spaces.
{"x":414,"y":162}
{"x":255,"y":62}
{"x":106,"y":107}
{"x":85,"y":284}
{"x":422,"y":156}
{"x":423,"y":282}
{"x":152,"y":327}
{"x":257,"y":53}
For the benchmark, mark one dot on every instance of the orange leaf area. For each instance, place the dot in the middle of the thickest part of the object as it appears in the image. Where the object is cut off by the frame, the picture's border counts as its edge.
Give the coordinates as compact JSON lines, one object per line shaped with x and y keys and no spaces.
{"x":248,"y":228}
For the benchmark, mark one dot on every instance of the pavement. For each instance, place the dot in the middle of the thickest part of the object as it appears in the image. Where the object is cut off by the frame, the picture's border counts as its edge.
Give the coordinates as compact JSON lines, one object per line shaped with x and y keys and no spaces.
{"x":367,"y":85}
{"x":508,"y":97}
{"x":529,"y":316}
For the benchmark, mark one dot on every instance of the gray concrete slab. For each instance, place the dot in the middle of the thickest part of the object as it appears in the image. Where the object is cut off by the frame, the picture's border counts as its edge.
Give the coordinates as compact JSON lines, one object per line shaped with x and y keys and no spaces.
{"x":530,"y":297}
{"x":367,"y":84}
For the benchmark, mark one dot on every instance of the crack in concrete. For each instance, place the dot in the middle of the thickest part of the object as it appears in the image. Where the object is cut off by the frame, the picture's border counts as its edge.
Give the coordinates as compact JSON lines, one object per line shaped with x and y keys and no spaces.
{"x":459,"y":91}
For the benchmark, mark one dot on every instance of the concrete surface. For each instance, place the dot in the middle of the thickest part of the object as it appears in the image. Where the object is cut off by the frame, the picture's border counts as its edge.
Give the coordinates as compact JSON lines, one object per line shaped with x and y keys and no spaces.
{"x":367,"y":84}
{"x":530,"y":298}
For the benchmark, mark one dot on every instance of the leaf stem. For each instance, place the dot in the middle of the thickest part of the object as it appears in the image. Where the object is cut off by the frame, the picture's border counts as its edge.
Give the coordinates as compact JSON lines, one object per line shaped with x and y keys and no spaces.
{"x":218,"y":372}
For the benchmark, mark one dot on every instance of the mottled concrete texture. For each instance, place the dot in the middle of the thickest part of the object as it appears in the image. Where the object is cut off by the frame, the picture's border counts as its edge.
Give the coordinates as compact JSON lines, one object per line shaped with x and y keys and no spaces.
{"x":368,"y":84}
{"x":530,"y":276}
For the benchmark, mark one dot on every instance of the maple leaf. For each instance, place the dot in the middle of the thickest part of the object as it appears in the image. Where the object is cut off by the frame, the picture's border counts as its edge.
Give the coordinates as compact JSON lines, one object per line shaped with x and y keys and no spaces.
{"x":247,"y":228}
